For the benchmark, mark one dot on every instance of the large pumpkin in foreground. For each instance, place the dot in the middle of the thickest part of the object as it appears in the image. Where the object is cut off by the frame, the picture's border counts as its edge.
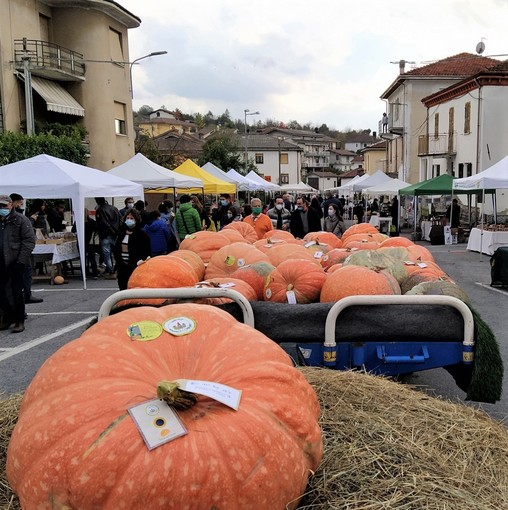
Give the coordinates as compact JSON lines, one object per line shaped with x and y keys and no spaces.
{"x":75,"y":445}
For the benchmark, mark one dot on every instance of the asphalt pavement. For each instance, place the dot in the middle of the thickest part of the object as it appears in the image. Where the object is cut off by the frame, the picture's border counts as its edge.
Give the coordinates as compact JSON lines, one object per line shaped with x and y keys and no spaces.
{"x":67,"y":310}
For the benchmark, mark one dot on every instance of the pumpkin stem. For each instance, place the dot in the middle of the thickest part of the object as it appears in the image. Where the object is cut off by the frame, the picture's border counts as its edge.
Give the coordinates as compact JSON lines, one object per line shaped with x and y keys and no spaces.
{"x":174,"y":396}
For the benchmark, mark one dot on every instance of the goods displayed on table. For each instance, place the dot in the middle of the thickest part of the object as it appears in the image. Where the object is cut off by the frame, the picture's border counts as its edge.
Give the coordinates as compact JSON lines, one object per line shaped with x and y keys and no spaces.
{"x":500,"y":227}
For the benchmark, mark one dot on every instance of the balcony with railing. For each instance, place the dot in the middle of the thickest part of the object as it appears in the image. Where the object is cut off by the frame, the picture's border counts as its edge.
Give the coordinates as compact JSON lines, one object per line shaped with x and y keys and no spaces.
{"x":437,"y":145}
{"x":49,"y":60}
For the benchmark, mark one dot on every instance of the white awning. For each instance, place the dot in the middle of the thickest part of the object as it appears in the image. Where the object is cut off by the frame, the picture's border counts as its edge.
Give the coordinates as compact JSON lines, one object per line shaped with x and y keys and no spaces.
{"x":56,"y":97}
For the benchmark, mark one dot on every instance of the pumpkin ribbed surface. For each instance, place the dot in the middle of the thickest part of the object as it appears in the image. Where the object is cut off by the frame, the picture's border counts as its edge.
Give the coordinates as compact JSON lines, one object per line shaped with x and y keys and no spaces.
{"x":281,"y":234}
{"x":324,"y":237}
{"x":240,"y":286}
{"x":396,"y":241}
{"x":359,"y":228}
{"x":302,"y":277}
{"x":255,"y":275}
{"x":204,"y":243}
{"x":357,"y":281}
{"x":193,"y":259}
{"x":228,"y":259}
{"x":247,"y":231}
{"x":279,"y":254}
{"x":233,"y":235}
{"x":164,"y":272}
{"x":75,"y":446}
{"x":335,"y":256}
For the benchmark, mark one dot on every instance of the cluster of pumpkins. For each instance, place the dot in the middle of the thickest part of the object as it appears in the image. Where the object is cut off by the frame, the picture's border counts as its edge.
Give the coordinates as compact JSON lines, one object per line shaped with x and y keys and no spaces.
{"x":280,"y":268}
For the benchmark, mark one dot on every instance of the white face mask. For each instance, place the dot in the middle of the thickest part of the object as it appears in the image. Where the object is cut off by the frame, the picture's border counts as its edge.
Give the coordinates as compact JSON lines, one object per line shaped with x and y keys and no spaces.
{"x":331,"y":212}
{"x":279,"y":206}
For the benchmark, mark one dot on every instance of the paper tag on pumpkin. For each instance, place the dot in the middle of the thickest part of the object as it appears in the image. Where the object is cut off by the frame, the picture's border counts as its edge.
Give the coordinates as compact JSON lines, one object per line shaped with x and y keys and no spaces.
{"x":291,"y":297}
{"x":157,"y":422}
{"x":180,"y":326}
{"x":318,"y":254}
{"x":409,"y":263}
{"x":220,"y":392}
{"x":227,"y":285}
{"x":309,"y":244}
{"x":421,"y":264}
{"x":144,"y":331}
{"x":229,"y":260}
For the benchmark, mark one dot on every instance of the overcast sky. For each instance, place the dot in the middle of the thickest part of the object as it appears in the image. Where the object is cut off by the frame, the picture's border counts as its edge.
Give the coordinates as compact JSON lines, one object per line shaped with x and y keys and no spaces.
{"x":322,"y":61}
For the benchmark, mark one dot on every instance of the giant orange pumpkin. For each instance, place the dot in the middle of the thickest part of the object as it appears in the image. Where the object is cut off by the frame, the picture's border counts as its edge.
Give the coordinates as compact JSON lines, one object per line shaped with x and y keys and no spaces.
{"x":231,"y":283}
{"x":205,"y":243}
{"x":76,"y":446}
{"x":279,"y":254}
{"x":228,"y":259}
{"x":324,"y":238}
{"x":255,"y":275}
{"x":359,"y":228}
{"x":247,"y":231}
{"x":355,"y":281}
{"x":302,"y":277}
{"x":193,"y":259}
{"x":281,"y":234}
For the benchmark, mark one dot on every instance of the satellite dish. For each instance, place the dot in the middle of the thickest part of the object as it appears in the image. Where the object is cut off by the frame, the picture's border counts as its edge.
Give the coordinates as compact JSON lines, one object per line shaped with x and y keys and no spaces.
{"x":480,"y":47}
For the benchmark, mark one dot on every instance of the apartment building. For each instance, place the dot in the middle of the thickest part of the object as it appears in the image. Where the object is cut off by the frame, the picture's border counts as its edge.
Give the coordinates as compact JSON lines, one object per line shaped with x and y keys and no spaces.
{"x":68,"y":62}
{"x":407,"y":115}
{"x":162,"y":121}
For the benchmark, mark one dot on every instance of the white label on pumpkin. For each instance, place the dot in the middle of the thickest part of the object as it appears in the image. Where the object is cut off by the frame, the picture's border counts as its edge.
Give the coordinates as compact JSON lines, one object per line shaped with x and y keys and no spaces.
{"x":310,"y":243}
{"x":179,"y":326}
{"x":421,"y":264}
{"x":409,"y":263}
{"x":157,"y":422}
{"x":240,"y":263}
{"x":318,"y":254}
{"x":291,"y":297}
{"x":227,"y":285}
{"x":220,"y":392}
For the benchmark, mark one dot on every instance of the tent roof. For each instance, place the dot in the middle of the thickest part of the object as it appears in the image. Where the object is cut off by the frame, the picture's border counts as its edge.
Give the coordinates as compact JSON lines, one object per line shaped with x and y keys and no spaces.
{"x":366,"y":180}
{"x":220,"y":174}
{"x":244,"y":184}
{"x":266,"y":185}
{"x":212,"y":184}
{"x":496,"y":177}
{"x":152,"y":176}
{"x":441,"y":185}
{"x":391,"y":187}
{"x":301,"y":186}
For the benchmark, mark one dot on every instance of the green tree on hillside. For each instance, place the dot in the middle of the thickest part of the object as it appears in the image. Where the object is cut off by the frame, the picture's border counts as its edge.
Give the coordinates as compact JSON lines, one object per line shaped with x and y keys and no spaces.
{"x":223,"y":149}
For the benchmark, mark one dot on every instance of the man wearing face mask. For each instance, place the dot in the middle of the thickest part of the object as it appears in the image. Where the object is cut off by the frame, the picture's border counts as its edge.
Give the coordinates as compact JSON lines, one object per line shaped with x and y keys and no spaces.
{"x":261,"y":222}
{"x":17,"y":241}
{"x":226,"y":213}
{"x":279,"y":214}
{"x":304,"y":219}
{"x":18,"y":204}
{"x":129,"y":204}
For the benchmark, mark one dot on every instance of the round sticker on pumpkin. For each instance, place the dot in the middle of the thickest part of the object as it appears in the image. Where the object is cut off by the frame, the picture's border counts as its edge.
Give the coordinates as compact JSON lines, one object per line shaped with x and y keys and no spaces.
{"x":144,"y":331}
{"x":230,"y":260}
{"x":180,"y":326}
{"x":268,"y":293}
{"x":240,"y":263}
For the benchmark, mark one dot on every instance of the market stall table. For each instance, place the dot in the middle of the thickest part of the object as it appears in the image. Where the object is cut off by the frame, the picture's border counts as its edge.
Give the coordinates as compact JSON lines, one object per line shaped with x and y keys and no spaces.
{"x":59,"y":253}
{"x":492,"y":240}
{"x":382,"y":223}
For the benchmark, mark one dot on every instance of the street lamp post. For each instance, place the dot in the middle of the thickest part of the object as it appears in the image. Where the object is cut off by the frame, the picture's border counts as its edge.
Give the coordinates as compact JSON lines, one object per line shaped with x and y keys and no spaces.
{"x":153,"y":54}
{"x":246,"y":112}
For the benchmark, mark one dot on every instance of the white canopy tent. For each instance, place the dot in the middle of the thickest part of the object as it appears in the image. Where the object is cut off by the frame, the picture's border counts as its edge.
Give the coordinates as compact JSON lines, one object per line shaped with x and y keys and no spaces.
{"x":266,"y":186}
{"x":45,"y":176}
{"x":220,"y":174}
{"x":152,"y":176}
{"x":391,"y":187}
{"x":345,"y":187}
{"x":246,"y":184}
{"x":366,"y":180}
{"x":301,"y":187}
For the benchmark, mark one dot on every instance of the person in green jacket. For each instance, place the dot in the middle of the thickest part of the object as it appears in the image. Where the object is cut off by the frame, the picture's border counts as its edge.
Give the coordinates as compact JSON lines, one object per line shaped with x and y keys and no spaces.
{"x":187,"y":218}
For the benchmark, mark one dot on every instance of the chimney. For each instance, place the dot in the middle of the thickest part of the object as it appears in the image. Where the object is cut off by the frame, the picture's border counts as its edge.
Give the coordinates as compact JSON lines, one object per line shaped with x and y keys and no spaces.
{"x":374,"y":135}
{"x":402,"y":66}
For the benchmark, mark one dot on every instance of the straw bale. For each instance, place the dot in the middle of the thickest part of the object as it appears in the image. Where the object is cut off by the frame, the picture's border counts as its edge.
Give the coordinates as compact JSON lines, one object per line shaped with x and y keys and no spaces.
{"x":388,"y":446}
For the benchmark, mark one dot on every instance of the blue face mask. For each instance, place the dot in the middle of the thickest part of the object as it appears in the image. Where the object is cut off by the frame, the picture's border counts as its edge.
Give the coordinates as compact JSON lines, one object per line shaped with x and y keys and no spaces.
{"x":130,"y":223}
{"x":4,"y":212}
{"x":223,"y":202}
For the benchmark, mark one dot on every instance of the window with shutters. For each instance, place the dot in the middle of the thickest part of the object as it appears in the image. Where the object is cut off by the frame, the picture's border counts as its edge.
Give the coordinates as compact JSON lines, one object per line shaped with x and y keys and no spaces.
{"x":259,"y":158}
{"x":461,"y":170}
{"x":116,"y":46}
{"x":284,"y":179}
{"x":436,"y":126}
{"x":120,"y":124}
{"x":469,"y":169}
{"x":284,"y":158}
{"x":451,"y":128}
{"x":467,"y":118}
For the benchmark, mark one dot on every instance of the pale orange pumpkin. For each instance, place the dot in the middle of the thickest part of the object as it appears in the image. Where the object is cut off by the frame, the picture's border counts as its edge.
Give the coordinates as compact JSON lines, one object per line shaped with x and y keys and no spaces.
{"x":193,"y":259}
{"x":247,"y":231}
{"x":205,"y":243}
{"x":279,"y":254}
{"x":302,"y":277}
{"x":233,"y":235}
{"x":228,"y":259}
{"x":396,"y":242}
{"x":267,"y":244}
{"x":336,"y":256}
{"x":324,"y":238}
{"x":355,"y":281}
{"x":76,"y":446}
{"x":359,"y":228}
{"x":281,"y":234}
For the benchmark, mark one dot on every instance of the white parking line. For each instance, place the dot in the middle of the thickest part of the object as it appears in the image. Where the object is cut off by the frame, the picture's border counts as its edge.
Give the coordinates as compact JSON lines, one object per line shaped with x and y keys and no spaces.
{"x":43,"y":339}
{"x":487,"y":286}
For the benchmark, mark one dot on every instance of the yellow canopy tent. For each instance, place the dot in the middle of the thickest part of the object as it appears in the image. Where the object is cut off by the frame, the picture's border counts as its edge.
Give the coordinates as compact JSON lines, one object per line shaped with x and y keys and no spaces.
{"x":212,"y":185}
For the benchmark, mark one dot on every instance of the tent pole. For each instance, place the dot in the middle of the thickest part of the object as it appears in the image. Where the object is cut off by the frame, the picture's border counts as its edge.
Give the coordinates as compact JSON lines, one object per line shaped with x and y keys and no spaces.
{"x":481,"y":233}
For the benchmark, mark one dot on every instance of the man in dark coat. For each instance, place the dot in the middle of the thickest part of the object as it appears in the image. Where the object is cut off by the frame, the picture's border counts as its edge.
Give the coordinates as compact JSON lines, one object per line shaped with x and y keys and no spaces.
{"x":304,"y":219}
{"x":226,"y":213}
{"x":332,"y":200}
{"x":17,"y":241}
{"x":108,"y":224}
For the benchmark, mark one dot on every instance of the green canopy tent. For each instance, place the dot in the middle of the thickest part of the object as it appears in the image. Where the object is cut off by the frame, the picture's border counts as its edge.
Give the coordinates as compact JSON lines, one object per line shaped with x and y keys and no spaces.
{"x":441,"y":185}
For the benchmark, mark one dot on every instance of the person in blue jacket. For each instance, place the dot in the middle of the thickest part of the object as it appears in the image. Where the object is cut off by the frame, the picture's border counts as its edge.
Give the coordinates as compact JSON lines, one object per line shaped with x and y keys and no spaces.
{"x":162,"y":241}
